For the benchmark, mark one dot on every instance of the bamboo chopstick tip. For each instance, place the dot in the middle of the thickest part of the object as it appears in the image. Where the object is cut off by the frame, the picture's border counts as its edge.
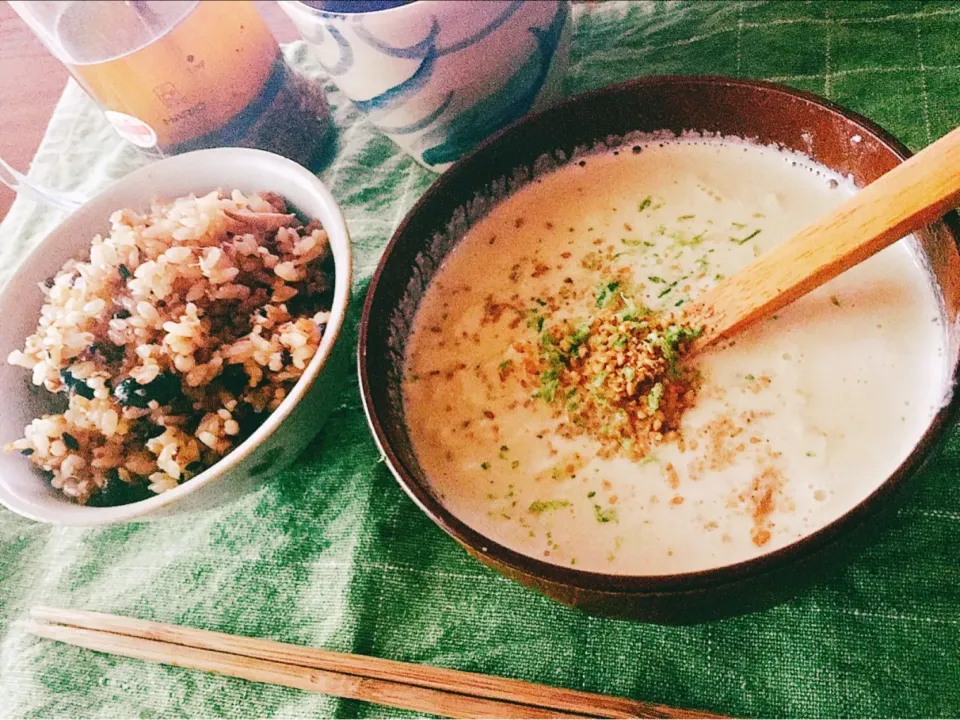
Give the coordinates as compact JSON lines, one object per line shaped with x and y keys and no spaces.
{"x":44,"y":612}
{"x":39,"y":629}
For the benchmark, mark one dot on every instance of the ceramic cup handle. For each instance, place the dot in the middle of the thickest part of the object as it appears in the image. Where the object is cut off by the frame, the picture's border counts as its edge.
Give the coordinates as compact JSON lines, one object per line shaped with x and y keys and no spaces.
{"x":22,"y":185}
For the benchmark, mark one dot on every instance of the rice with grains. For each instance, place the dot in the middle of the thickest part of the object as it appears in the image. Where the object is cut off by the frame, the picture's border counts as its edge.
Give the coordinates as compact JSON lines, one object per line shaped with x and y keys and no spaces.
{"x":183,"y":330}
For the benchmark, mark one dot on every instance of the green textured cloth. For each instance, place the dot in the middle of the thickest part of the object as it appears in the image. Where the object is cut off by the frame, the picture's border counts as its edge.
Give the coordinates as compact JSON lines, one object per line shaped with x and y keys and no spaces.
{"x":333,"y":554}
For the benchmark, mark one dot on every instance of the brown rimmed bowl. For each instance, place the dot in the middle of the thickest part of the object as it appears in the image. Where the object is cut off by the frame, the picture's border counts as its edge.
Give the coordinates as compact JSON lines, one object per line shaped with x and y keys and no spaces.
{"x":760,"y":111}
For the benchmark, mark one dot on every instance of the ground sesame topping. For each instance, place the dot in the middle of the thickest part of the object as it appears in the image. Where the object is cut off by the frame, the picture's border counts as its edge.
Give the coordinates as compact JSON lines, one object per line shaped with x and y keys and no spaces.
{"x":618,"y":376}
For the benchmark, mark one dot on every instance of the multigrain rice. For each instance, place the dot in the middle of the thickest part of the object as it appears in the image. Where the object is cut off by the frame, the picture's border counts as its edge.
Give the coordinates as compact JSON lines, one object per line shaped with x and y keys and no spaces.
{"x":181,"y":332}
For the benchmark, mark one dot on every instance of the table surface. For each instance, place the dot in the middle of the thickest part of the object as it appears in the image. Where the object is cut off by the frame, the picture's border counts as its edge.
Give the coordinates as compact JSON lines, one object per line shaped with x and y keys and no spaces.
{"x":331,"y":553}
{"x":31,"y":80}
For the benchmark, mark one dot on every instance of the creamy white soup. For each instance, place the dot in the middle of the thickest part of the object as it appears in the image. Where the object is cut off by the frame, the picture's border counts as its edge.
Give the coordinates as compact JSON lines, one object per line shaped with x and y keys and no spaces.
{"x":794,"y":422}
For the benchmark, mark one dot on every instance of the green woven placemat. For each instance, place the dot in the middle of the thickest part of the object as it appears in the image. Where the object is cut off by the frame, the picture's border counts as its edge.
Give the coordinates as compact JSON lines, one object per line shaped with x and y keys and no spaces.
{"x":333,"y":554}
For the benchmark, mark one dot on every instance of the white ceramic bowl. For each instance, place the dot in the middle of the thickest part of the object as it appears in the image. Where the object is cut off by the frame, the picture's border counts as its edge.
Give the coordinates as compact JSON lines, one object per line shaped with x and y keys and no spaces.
{"x":438,"y":76}
{"x":284,"y":433}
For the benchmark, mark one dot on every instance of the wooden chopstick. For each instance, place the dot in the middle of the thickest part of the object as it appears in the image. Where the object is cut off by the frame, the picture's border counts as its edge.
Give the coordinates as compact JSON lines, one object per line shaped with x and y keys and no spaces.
{"x":408,"y":697}
{"x":420,"y":688}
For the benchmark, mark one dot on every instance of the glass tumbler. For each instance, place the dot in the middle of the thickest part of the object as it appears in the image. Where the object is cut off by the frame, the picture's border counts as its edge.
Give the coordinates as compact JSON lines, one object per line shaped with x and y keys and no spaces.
{"x":174,"y":75}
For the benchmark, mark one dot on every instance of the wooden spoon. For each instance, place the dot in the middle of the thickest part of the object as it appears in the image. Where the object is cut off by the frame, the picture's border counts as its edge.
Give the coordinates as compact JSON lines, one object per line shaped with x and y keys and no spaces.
{"x":912,"y":195}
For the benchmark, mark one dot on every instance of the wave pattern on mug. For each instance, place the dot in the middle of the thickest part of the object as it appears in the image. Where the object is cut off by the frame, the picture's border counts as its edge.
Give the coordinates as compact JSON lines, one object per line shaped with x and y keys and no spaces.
{"x":439,"y":77}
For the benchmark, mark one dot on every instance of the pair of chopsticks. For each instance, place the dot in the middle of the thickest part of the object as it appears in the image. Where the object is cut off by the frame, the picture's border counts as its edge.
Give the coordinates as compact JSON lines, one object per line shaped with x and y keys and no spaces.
{"x":420,"y":688}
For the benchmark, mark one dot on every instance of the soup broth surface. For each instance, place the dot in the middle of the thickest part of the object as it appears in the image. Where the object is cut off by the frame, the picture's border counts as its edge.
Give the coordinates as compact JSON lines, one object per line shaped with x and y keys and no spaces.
{"x":797,"y":420}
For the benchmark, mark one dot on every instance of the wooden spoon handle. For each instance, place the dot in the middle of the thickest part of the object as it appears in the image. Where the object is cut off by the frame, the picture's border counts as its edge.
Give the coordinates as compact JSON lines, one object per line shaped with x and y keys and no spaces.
{"x":913,"y":194}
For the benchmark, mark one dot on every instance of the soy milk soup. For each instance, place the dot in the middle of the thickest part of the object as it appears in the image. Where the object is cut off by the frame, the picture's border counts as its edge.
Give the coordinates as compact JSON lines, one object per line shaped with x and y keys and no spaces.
{"x":794,"y":422}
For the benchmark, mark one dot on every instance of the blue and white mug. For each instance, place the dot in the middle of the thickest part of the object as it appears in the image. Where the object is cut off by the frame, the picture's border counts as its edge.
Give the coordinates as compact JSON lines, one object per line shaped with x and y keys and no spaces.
{"x":435,"y":76}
